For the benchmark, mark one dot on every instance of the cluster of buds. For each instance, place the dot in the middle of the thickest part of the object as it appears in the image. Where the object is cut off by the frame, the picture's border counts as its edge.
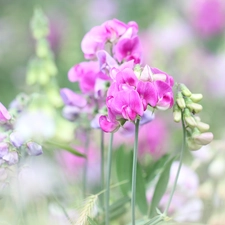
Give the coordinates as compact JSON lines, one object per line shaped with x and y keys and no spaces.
{"x":12,"y":144}
{"x":41,"y":69}
{"x":187,"y":104}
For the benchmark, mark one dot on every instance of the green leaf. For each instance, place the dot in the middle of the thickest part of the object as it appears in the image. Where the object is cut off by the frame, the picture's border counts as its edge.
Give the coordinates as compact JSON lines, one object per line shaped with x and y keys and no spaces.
{"x":141,"y":200}
{"x":124,"y":162}
{"x":119,"y":203}
{"x":160,"y":187}
{"x":64,"y":147}
{"x":124,"y":169}
{"x":156,"y":167}
{"x":91,"y":221}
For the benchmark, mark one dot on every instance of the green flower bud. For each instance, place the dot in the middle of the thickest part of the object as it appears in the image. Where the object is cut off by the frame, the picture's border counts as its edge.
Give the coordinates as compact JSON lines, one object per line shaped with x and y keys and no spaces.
{"x":195,"y":107}
{"x":137,"y":70}
{"x":192,"y":145}
{"x":180,"y":100}
{"x":42,"y":48}
{"x":196,"y":97}
{"x":203,"y":139}
{"x":176,"y":113}
{"x":203,"y":127}
{"x":185,"y":90}
{"x":189,"y":119}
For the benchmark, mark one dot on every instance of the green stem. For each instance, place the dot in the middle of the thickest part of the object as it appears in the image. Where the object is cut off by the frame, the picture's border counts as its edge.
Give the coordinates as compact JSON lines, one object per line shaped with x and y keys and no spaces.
{"x":180,"y":164}
{"x":134,"y":172}
{"x":102,"y":167}
{"x":107,"y":193}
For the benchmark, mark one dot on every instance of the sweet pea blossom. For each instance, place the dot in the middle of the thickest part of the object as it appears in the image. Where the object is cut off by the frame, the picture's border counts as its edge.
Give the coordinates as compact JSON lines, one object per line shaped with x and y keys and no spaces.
{"x":132,"y":92}
{"x":110,"y":31}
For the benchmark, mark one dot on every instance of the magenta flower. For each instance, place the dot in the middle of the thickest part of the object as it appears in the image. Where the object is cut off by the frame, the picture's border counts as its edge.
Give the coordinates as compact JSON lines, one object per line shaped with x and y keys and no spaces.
{"x":72,"y":99}
{"x":86,"y":74}
{"x":110,"y":31}
{"x":4,"y":114}
{"x":208,"y":17}
{"x":93,"y":41}
{"x":128,"y":48}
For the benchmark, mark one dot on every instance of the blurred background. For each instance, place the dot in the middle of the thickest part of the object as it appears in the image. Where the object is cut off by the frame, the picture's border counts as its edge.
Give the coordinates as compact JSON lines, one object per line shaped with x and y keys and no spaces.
{"x":184,"y":38}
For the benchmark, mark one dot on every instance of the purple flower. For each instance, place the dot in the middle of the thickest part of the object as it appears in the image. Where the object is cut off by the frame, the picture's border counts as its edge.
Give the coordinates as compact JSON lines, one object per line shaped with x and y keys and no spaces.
{"x":34,"y":149}
{"x":72,"y":99}
{"x":16,"y":139}
{"x":4,"y":114}
{"x":4,"y":148}
{"x":11,"y":158}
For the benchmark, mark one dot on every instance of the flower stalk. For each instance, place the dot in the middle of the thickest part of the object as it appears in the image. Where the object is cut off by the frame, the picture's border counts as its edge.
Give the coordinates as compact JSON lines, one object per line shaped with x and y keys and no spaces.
{"x":108,"y":175}
{"x":134,"y":172}
{"x":180,"y":164}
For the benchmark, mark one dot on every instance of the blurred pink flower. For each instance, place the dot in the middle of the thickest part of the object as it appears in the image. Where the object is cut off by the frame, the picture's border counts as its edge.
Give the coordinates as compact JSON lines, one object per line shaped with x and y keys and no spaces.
{"x":73,"y":165}
{"x":208,"y":17}
{"x":4,"y":114}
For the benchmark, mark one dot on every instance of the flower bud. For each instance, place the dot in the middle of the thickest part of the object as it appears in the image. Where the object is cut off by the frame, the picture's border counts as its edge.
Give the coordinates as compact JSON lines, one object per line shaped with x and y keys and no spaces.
{"x":34,"y":149}
{"x":192,"y":145}
{"x":204,"y":138}
{"x":190,"y":121}
{"x":16,"y":139}
{"x":194,"y":107}
{"x":137,"y":70}
{"x":4,"y":148}
{"x":203,"y":127}
{"x":4,"y":114}
{"x":176,"y":113}
{"x":185,"y":90}
{"x":196,"y":97}
{"x":180,"y":100}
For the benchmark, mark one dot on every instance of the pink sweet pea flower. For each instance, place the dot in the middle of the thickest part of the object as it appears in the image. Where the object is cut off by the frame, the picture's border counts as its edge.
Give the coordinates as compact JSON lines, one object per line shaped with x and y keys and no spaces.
{"x":4,"y":114}
{"x":72,"y":99}
{"x":86,"y":74}
{"x":111,"y":31}
{"x":93,"y":41}
{"x":128,"y":48}
{"x":126,"y":105}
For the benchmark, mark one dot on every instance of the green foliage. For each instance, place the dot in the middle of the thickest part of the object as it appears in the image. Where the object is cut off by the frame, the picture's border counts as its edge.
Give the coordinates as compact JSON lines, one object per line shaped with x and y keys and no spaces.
{"x":63,"y":146}
{"x":160,"y":187}
{"x":124,"y":172}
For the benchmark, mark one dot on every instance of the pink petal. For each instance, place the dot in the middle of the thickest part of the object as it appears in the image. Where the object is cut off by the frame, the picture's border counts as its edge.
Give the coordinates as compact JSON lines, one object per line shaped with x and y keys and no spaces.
{"x":4,"y":114}
{"x":108,"y":126}
{"x":71,"y":98}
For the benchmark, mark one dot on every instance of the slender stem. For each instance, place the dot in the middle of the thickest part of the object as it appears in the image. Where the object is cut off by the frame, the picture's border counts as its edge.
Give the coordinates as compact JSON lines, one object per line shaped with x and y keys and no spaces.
{"x":85,"y":165}
{"x":134,"y":172}
{"x":107,"y":193}
{"x":102,"y":166}
{"x":180,"y":164}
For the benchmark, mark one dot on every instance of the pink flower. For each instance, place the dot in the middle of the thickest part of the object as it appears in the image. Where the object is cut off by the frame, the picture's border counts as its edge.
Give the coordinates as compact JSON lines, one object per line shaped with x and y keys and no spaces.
{"x":72,"y":99}
{"x":126,"y":104}
{"x":128,"y":49}
{"x":208,"y":17}
{"x":4,"y":114}
{"x":86,"y":74}
{"x":111,"y":31}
